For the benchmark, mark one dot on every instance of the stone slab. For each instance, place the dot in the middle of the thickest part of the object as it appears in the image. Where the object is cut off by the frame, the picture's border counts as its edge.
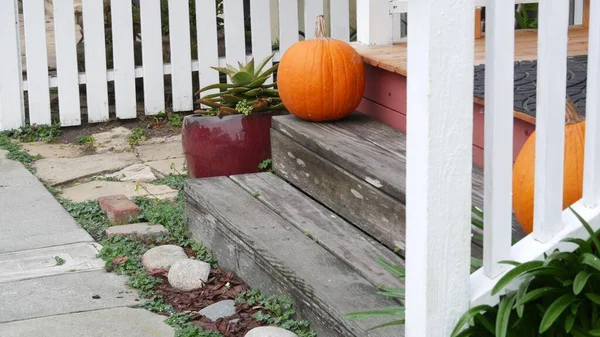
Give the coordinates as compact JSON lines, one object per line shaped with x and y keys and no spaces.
{"x":128,"y":322}
{"x":160,"y":151}
{"x":136,"y":172}
{"x":95,"y":189}
{"x":30,"y":216}
{"x":164,"y":166}
{"x":162,"y":140}
{"x":142,"y":230}
{"x":33,"y":263}
{"x":113,"y":140}
{"x":56,"y":171}
{"x":64,"y":294}
{"x":53,"y":150}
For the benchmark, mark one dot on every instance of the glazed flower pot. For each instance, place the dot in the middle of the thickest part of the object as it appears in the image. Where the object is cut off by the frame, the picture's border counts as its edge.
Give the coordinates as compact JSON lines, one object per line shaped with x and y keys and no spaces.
{"x":226,"y":146}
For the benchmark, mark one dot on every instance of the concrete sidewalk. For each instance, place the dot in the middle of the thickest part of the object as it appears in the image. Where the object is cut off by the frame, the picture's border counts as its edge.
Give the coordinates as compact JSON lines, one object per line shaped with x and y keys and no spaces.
{"x":42,"y":298}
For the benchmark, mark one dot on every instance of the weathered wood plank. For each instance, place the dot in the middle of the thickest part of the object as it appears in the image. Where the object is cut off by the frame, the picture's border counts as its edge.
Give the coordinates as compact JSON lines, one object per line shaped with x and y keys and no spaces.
{"x":371,"y":210}
{"x":275,"y":257}
{"x":339,"y":237}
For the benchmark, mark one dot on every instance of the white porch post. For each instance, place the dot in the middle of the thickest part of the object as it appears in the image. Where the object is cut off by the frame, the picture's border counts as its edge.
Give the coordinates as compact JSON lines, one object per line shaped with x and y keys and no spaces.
{"x":373,"y":22}
{"x":439,"y":164}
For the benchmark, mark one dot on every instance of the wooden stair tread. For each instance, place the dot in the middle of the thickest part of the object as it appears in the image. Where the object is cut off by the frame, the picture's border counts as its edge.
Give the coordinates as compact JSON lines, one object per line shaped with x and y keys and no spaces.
{"x":268,"y":251}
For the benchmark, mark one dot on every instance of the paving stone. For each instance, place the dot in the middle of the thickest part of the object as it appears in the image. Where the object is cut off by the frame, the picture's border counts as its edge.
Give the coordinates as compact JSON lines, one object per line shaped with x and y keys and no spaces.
{"x":64,"y":294}
{"x":55,"y":171}
{"x":136,"y":172}
{"x":130,"y":322}
{"x":163,"y":257}
{"x":141,"y":230}
{"x":188,"y":274}
{"x":269,"y":331}
{"x":218,"y":310}
{"x":164,"y":166}
{"x":93,"y":190}
{"x":118,"y":208}
{"x":49,"y":261}
{"x":114,"y":140}
{"x":160,"y":151}
{"x":53,"y":150}
{"x":161,"y":140}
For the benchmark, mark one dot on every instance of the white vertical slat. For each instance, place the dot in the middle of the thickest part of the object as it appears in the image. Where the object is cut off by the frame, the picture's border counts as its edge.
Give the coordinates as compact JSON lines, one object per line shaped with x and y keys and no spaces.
{"x":12,"y":111}
{"x":235,"y":40}
{"x":95,"y":60}
{"x":181,"y":55}
{"x":122,"y":28}
{"x":260,"y":15}
{"x":591,"y":171}
{"x":208,"y":52}
{"x":340,"y":19}
{"x":288,"y":24}
{"x":38,"y":90}
{"x":550,"y":119}
{"x":312,"y":9}
{"x":578,"y":12}
{"x":374,"y":22}
{"x":499,"y":70}
{"x":439,"y":164}
{"x":69,"y":103}
{"x":154,"y":81}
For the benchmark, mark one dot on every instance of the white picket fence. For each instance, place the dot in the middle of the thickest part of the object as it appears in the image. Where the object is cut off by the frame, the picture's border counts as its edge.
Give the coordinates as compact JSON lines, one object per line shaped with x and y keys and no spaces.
{"x":37,"y":81}
{"x":439,"y":286}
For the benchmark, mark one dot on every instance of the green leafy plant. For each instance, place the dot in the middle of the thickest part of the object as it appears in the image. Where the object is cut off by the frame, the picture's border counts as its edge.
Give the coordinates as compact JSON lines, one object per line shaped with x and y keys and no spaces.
{"x":87,"y":141}
{"x":136,"y":136}
{"x":559,"y":296}
{"x":247,"y":93}
{"x":266,"y":165}
{"x":15,"y":153}
{"x":526,"y":16}
{"x":35,"y":133}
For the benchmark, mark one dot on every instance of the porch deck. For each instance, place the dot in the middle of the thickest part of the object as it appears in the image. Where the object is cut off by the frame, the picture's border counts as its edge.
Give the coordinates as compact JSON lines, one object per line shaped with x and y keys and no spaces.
{"x":394,"y":59}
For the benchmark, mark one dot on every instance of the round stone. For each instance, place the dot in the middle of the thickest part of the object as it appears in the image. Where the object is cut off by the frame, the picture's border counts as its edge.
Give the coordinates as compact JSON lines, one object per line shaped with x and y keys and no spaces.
{"x":163,"y":257}
{"x":218,"y":310}
{"x":186,"y":275}
{"x":269,"y":331}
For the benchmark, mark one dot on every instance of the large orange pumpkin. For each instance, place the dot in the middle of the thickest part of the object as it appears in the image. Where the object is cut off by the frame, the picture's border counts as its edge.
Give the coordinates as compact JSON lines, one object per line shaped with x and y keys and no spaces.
{"x":321,"y":79}
{"x":524,"y":169}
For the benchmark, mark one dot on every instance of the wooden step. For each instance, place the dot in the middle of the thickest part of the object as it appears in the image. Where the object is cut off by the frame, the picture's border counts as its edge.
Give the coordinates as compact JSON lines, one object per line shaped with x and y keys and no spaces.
{"x":357,"y":168}
{"x":282,"y":242}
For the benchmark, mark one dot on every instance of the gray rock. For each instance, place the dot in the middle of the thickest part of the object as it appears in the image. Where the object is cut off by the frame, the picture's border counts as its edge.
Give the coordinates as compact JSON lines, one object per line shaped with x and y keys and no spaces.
{"x":141,"y":230}
{"x":136,"y":172}
{"x":188,"y":274}
{"x":269,"y":331}
{"x":163,"y":257}
{"x":218,"y":310}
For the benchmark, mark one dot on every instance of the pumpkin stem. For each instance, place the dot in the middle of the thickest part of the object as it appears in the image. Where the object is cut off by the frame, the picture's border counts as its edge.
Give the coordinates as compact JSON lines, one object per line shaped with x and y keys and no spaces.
{"x":572,"y":113}
{"x":320,"y":29}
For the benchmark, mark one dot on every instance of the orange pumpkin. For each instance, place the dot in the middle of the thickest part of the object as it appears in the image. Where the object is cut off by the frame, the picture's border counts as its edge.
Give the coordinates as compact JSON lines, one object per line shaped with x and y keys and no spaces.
{"x":524,"y":169}
{"x":321,"y":79}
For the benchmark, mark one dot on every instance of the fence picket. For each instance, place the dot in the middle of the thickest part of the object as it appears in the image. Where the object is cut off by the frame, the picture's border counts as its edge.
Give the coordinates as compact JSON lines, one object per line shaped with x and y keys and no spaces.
{"x":288,"y":24}
{"x":312,"y":9}
{"x":154,"y":80}
{"x":38,"y":90}
{"x":235,"y":39}
{"x":95,"y":60}
{"x":69,"y":103}
{"x":550,"y":125}
{"x":591,"y":173}
{"x":260,"y":15}
{"x":12,"y":111}
{"x":208,"y":47}
{"x":181,"y":57}
{"x":124,"y":64}
{"x":340,"y":19}
{"x":499,"y":92}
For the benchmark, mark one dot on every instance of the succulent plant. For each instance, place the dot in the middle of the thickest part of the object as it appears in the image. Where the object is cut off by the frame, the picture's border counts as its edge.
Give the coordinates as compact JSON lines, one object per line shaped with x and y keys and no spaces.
{"x":247,"y":93}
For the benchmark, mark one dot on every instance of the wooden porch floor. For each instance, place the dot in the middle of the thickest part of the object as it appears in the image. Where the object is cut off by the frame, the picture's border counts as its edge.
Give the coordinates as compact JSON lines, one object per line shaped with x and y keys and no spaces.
{"x":393,"y":58}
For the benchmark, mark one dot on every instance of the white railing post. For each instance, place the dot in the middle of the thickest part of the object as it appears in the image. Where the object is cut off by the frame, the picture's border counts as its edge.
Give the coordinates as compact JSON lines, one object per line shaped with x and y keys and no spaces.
{"x":550,"y":118}
{"x":591,"y":173}
{"x":12,"y":111}
{"x":374,"y":22}
{"x":499,"y":69}
{"x":439,"y":164}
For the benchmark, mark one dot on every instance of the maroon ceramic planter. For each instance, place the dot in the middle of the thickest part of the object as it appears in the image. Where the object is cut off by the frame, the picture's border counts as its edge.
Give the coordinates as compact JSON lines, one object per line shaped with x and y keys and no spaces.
{"x":226,"y":146}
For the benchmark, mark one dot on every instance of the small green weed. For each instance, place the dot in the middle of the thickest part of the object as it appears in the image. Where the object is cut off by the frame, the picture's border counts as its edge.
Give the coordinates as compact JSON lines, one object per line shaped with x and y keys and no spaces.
{"x":195,"y":331}
{"x":15,"y":153}
{"x":35,"y":133}
{"x":136,"y":136}
{"x":88,"y":141}
{"x":265,"y":165}
{"x":179,"y":320}
{"x":59,"y":260}
{"x":173,"y":119}
{"x":122,"y":254}
{"x":88,"y":215}
{"x":143,"y":282}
